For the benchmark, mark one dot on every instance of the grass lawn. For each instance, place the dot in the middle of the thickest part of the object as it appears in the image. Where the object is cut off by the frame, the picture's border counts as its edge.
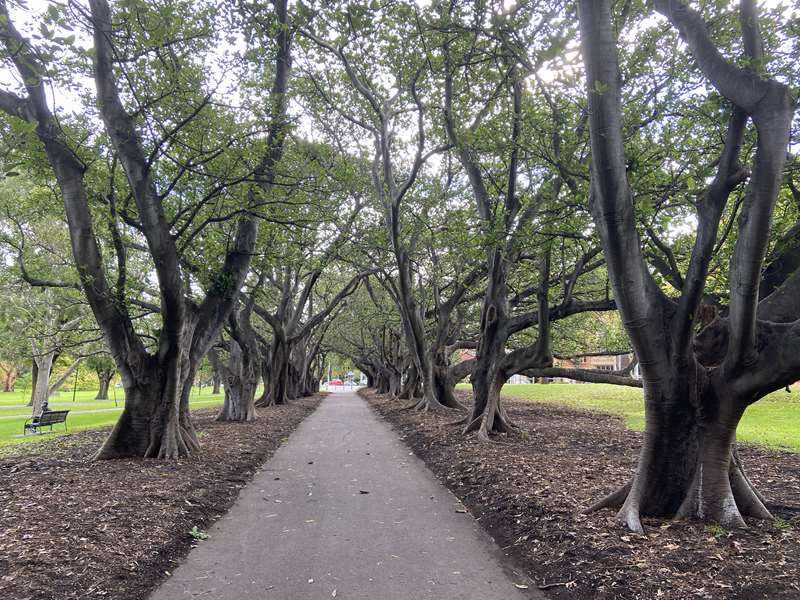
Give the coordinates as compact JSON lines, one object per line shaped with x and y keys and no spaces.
{"x":13,"y":412}
{"x":773,"y":421}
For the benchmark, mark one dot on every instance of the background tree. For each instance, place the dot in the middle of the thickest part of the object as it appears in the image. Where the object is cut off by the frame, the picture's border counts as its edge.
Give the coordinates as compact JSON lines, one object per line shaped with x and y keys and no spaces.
{"x":153,"y":143}
{"x":104,"y":367}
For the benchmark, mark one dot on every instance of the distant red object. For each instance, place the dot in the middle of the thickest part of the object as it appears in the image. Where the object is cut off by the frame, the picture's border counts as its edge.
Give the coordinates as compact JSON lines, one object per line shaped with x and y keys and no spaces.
{"x":335,"y":382}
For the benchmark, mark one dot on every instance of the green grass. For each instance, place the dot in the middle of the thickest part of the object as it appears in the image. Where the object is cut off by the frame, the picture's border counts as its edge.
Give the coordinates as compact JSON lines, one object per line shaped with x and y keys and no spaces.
{"x":773,"y":421}
{"x":20,"y":398}
{"x":12,"y":419}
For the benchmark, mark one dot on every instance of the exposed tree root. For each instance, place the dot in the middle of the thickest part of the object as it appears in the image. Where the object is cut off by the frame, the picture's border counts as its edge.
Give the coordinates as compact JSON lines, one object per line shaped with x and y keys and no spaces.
{"x":462,"y":421}
{"x":614,"y":500}
{"x":430,"y":404}
{"x":493,"y":419}
{"x":237,"y":414}
{"x":726,"y":502}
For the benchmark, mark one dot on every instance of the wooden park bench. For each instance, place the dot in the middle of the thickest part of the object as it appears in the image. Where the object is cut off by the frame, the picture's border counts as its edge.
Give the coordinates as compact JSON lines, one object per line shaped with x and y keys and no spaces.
{"x":47,"y":418}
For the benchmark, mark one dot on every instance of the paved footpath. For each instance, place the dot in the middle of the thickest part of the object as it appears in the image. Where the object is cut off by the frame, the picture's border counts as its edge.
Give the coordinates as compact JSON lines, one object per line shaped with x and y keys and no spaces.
{"x":343,"y":510}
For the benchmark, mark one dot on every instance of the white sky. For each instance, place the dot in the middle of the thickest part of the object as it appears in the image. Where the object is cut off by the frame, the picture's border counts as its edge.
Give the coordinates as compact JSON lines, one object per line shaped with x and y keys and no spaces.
{"x":29,"y":19}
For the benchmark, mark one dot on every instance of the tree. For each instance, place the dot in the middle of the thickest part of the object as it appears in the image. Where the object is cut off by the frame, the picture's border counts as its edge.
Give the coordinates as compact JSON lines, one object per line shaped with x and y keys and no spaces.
{"x":155,"y":421}
{"x":500,"y":134}
{"x":696,"y":384}
{"x":380,"y":110}
{"x":103,"y":365}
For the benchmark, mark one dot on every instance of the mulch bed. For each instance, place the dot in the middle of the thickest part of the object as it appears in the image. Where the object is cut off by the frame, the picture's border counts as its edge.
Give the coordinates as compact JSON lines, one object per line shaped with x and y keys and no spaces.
{"x":71,"y":528}
{"x":528,"y":493}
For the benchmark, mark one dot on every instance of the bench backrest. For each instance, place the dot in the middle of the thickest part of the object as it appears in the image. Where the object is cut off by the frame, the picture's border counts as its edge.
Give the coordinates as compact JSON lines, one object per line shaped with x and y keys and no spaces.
{"x":53,"y":416}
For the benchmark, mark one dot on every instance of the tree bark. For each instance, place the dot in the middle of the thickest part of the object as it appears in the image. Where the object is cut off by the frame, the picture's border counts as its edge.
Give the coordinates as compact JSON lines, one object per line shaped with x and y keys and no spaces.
{"x":34,"y":379}
{"x":155,"y":422}
{"x":41,"y":389}
{"x":687,"y":465}
{"x":240,"y":379}
{"x":411,"y":386}
{"x":278,"y":373}
{"x":487,"y":415}
{"x":105,"y":381}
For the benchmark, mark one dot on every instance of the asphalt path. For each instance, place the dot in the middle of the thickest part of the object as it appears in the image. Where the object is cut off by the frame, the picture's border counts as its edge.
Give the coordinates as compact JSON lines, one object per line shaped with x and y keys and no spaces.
{"x":344,"y":510}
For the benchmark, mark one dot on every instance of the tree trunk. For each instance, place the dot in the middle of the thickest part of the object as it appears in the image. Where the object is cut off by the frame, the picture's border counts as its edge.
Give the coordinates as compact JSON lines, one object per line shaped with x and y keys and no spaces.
{"x":383,"y":384}
{"x":41,"y":389}
{"x":265,"y":381}
{"x":488,"y":415}
{"x":444,"y":386}
{"x":688,"y":466}
{"x":293,"y":382}
{"x":34,"y":380}
{"x":240,"y":381}
{"x":215,"y":382}
{"x":155,"y":422}
{"x":63,"y":378}
{"x":10,"y":379}
{"x":394,"y":382}
{"x":411,"y":386}
{"x":389,"y":382}
{"x":279,"y":374}
{"x":105,"y":380}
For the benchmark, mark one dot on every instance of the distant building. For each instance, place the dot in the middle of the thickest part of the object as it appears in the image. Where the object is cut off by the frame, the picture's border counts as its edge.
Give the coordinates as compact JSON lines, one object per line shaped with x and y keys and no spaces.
{"x":463,"y":355}
{"x":611,"y":362}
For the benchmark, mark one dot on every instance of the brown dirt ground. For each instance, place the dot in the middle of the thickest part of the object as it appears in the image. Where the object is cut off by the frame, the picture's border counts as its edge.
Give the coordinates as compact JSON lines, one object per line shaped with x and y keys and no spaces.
{"x":528,"y":492}
{"x":71,"y":528}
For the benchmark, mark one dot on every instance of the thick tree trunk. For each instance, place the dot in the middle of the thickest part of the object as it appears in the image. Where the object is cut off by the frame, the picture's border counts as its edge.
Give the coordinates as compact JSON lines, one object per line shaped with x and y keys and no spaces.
{"x":445,"y":386}
{"x":488,"y":416}
{"x":687,"y":465}
{"x":278,"y":374}
{"x":155,"y":422}
{"x":430,"y":400}
{"x":299,"y":370}
{"x":105,"y":381}
{"x":309,"y":383}
{"x":411,"y":386}
{"x":393,"y":383}
{"x":293,"y":382}
{"x":388,"y":382}
{"x":240,"y":381}
{"x":215,"y":383}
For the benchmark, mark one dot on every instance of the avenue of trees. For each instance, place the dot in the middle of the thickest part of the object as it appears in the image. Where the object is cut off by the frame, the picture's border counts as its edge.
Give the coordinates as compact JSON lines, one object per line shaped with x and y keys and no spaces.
{"x":434,"y":192}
